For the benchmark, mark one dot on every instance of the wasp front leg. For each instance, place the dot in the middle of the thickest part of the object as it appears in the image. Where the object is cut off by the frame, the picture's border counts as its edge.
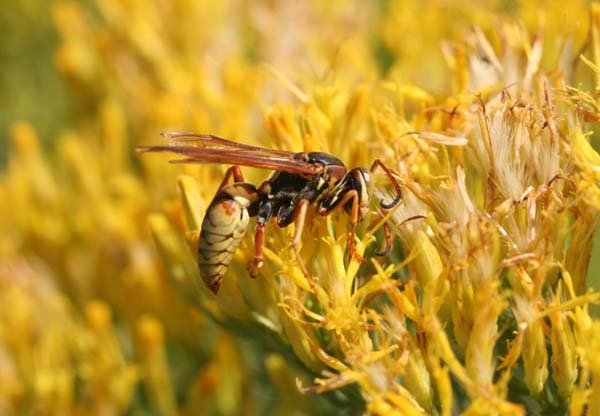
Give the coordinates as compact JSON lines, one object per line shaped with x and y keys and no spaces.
{"x":387,"y":235}
{"x":378,"y":163}
{"x":349,"y":197}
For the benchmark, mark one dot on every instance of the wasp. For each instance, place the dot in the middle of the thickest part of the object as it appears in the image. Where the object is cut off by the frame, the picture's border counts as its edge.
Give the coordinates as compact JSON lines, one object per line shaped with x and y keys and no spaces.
{"x":299,"y":181}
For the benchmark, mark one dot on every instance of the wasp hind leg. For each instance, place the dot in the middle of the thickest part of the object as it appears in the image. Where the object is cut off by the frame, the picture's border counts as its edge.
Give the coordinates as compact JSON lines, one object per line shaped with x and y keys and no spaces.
{"x":234,"y":171}
{"x":264,"y":214}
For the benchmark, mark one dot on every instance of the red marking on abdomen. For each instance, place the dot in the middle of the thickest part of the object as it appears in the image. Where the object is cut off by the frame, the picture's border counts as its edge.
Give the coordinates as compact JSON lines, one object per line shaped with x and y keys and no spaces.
{"x":230,"y":207}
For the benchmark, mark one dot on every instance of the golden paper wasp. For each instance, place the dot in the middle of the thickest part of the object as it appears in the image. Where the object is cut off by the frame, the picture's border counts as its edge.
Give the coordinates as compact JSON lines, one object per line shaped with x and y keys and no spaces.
{"x":299,"y":180}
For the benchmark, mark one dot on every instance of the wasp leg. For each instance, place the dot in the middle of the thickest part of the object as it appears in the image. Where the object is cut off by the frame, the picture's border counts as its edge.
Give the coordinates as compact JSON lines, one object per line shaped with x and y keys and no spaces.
{"x":257,"y":260}
{"x":350,"y":195}
{"x":388,"y":242}
{"x":265,"y":212}
{"x":234,"y":171}
{"x":386,"y":232}
{"x":390,"y":175}
{"x":299,"y":216}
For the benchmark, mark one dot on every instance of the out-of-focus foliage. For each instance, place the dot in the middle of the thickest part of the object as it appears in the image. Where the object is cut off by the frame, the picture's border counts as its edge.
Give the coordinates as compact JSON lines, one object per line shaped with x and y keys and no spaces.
{"x":485,"y":113}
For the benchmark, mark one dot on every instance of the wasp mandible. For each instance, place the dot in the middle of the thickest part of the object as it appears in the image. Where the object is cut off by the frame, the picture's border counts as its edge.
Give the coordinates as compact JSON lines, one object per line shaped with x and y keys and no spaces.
{"x":299,"y":180}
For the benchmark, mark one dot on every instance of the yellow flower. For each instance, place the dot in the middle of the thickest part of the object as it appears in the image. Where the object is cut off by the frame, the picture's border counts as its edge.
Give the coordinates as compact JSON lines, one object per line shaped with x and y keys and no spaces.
{"x":481,"y":306}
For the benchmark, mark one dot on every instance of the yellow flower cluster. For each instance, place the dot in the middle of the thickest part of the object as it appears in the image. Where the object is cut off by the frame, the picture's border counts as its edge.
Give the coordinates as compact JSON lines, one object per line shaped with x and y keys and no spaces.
{"x":480,"y":308}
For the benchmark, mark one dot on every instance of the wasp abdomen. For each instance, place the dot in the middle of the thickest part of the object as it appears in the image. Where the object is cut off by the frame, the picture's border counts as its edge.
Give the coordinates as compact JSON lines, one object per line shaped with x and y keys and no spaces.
{"x":223,"y":228}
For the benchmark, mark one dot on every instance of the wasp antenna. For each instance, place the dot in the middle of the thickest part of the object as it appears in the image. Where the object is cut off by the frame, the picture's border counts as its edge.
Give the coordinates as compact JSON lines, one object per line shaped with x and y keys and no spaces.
{"x":390,"y":175}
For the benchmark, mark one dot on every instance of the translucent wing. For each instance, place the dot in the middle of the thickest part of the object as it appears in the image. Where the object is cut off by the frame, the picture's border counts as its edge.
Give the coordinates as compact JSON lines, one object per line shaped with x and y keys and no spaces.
{"x":206,"y":148}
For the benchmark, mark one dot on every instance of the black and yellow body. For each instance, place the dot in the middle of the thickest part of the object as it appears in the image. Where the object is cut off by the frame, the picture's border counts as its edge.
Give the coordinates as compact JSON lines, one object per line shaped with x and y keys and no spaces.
{"x":300,"y":180}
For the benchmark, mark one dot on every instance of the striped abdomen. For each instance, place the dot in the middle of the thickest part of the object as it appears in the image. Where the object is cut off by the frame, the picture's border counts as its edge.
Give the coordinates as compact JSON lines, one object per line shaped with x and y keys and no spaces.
{"x":223,"y":227}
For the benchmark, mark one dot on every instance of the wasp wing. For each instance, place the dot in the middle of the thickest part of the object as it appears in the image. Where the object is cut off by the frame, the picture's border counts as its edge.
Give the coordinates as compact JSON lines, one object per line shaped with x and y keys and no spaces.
{"x":199,"y":148}
{"x":215,"y":142}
